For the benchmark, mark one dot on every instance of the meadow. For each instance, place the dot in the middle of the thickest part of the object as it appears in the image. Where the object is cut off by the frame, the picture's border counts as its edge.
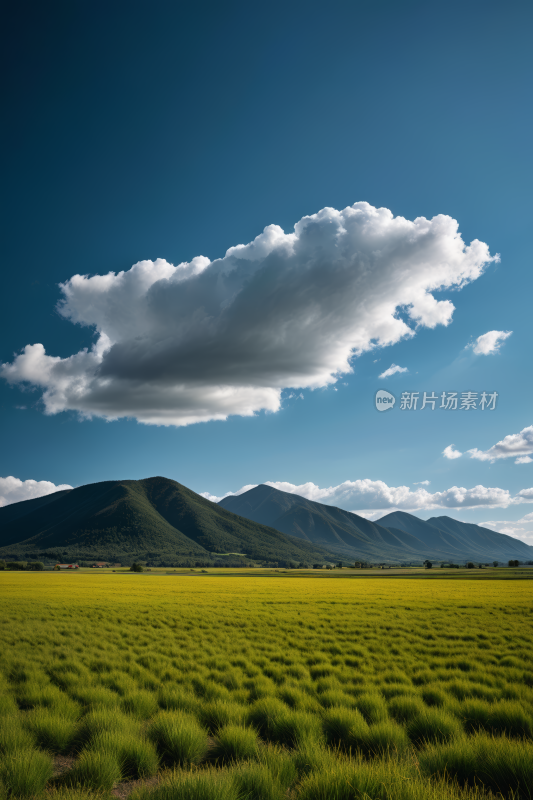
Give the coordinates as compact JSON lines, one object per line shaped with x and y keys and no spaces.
{"x":227,"y":688}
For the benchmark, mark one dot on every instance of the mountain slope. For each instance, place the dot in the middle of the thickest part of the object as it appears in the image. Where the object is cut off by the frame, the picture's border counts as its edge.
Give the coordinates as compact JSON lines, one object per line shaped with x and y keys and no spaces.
{"x":135,"y":518}
{"x":20,"y":509}
{"x":481,"y":538}
{"x":396,"y":536}
{"x":342,"y":531}
{"x":461,"y":539}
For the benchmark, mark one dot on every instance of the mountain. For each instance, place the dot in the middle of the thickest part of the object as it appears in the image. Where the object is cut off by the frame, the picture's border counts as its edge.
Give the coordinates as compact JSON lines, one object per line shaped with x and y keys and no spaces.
{"x":343,"y":532}
{"x":484,"y":539}
{"x":151,"y":518}
{"x":397,"y":536}
{"x":460,"y":539}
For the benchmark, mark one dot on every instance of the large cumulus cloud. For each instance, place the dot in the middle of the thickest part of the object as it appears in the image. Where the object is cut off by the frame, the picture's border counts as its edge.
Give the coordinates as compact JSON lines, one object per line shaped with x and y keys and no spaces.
{"x":206,"y":339}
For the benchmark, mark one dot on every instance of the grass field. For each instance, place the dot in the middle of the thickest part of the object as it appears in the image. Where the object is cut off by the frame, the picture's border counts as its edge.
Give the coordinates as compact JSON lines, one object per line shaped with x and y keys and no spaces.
{"x":226,"y":688}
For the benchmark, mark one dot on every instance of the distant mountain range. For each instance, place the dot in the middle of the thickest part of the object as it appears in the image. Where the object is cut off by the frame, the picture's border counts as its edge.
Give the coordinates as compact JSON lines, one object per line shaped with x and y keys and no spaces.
{"x":158,"y":519}
{"x":152,"y":519}
{"x":395,"y":537}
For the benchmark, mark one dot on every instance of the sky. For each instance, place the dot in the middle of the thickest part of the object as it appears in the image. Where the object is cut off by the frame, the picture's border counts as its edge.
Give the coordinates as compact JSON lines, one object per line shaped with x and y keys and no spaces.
{"x":228,"y":226}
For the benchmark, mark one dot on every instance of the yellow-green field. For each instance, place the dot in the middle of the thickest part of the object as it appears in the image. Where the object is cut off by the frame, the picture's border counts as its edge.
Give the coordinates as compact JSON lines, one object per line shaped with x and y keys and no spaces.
{"x":227,"y":688}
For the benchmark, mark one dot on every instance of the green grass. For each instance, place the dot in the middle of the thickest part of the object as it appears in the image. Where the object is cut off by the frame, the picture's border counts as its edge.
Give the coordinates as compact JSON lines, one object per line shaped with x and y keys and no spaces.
{"x":52,"y":731}
{"x":498,"y":763}
{"x":179,"y":738}
{"x":13,"y":736}
{"x":24,"y":773}
{"x":96,"y":770}
{"x":210,"y":784}
{"x":137,"y":757}
{"x":263,"y":690}
{"x":235,"y":743}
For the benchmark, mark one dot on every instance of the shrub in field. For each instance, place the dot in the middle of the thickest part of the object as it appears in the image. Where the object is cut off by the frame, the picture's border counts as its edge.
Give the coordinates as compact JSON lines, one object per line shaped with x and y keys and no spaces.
{"x":219,"y":713}
{"x":235,"y":743}
{"x":179,"y":737}
{"x":95,"y":769}
{"x":137,"y":757}
{"x":345,"y":728}
{"x":433,"y":725}
{"x":24,"y":773}
{"x":141,"y":704}
{"x":373,"y":707}
{"x":52,"y":731}
{"x":500,"y":764}
{"x":209,"y":784}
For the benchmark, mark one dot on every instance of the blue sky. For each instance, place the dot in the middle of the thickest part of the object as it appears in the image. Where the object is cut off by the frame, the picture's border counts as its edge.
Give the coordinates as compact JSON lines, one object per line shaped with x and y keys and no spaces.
{"x":144,"y":131}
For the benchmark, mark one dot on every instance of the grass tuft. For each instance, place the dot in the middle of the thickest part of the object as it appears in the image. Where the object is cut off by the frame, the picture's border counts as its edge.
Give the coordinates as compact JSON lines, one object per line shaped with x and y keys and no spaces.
{"x":95,"y":769}
{"x":179,"y":738}
{"x":137,"y":757}
{"x":14,"y":737}
{"x":235,"y":743}
{"x":25,"y":773}
{"x":51,"y":731}
{"x":209,"y":784}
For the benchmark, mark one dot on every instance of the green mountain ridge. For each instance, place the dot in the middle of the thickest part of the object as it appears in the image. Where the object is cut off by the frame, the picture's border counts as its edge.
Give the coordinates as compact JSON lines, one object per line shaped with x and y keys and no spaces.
{"x":130,"y":519}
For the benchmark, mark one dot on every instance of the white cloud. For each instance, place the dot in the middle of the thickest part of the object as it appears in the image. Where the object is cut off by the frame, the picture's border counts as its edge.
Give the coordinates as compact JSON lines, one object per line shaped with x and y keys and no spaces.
{"x":13,"y":490}
{"x":520,"y":529}
{"x":515,"y":445}
{"x":392,"y":370}
{"x":449,"y":452}
{"x":203,"y":340}
{"x":421,"y":483}
{"x":490,"y":342}
{"x":216,"y":499}
{"x":367,"y":497}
